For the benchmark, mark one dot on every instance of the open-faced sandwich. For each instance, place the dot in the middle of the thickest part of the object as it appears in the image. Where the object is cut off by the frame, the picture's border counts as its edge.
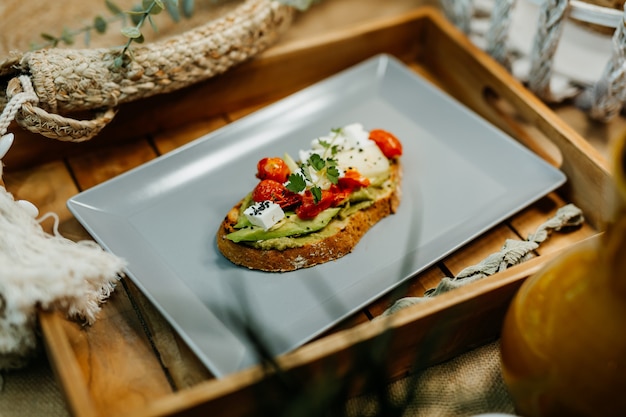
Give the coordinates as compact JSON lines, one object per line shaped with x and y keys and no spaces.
{"x":314,"y":210}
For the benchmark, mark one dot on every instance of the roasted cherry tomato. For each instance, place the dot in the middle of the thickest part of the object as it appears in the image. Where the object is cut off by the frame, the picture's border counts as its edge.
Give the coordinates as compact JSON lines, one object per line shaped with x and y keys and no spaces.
{"x":276,"y":192}
{"x":352,"y":180}
{"x":387,"y":142}
{"x":273,"y":169}
{"x":309,"y":209}
{"x":339,"y":195}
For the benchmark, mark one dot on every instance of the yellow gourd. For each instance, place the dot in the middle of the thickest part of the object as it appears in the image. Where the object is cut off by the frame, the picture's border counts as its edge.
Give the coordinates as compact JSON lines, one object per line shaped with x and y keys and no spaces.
{"x":563,"y":342}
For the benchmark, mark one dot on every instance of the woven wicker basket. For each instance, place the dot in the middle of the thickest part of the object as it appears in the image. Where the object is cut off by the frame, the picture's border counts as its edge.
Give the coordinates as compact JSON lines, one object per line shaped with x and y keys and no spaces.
{"x":42,"y":89}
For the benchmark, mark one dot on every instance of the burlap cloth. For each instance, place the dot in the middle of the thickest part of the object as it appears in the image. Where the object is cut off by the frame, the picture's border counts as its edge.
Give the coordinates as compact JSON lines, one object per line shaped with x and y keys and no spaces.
{"x":31,"y":391}
{"x":467,"y":385}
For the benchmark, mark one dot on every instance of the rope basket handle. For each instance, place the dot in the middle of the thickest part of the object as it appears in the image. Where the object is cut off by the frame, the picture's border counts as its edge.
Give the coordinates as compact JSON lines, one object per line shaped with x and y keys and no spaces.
{"x":71,"y":80}
{"x":22,"y":99}
{"x":603,"y":100}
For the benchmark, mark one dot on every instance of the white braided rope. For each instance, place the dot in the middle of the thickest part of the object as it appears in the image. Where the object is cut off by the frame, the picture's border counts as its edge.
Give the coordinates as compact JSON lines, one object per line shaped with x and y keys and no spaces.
{"x":550,"y":27}
{"x":459,"y":12}
{"x":605,"y":99}
{"x":497,"y":34}
{"x":512,"y":253}
{"x":16,"y":101}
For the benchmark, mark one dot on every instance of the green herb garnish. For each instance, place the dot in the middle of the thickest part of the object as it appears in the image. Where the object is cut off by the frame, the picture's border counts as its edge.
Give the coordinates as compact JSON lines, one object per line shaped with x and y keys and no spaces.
{"x":296,"y":183}
{"x":325,"y":165}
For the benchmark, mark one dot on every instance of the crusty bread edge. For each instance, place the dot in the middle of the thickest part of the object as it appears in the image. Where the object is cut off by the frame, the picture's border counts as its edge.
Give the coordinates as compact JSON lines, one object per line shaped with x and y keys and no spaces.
{"x":328,"y":249}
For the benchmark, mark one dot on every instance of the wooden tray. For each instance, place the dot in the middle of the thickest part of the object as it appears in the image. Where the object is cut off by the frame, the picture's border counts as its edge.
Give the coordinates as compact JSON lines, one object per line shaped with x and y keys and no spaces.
{"x":130,"y":362}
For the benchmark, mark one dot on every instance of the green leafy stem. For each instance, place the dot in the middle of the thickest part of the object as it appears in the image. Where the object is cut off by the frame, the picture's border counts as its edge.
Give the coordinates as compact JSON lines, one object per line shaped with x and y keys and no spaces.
{"x":138,"y":16}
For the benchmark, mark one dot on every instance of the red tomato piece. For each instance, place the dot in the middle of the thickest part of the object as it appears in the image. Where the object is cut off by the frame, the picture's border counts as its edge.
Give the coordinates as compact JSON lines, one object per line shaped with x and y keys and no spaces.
{"x":276,"y":192}
{"x":387,"y":142}
{"x":309,"y":209}
{"x":339,"y":195}
{"x":352,"y":179}
{"x":273,"y":169}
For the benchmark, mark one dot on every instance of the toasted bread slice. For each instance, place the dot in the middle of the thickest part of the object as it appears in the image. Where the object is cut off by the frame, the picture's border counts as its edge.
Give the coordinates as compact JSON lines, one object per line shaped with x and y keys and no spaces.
{"x":336,"y":240}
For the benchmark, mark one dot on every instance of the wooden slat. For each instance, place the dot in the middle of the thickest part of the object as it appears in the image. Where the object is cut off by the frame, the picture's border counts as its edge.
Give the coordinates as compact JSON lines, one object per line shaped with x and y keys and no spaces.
{"x":78,"y":397}
{"x":48,"y":187}
{"x":171,"y":139}
{"x":182,"y":366}
{"x":95,"y":167}
{"x":117,"y":359}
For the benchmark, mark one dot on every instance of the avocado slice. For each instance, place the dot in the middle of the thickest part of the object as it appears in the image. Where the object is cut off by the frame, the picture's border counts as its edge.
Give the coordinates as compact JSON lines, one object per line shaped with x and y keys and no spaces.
{"x":292,"y":225}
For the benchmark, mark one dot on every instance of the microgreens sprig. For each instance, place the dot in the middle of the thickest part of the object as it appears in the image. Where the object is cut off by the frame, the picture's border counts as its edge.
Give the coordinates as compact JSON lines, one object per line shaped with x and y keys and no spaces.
{"x":325,"y":166}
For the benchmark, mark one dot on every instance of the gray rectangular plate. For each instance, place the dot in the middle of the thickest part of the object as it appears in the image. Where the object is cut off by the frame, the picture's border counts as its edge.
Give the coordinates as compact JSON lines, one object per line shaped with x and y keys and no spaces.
{"x":461,"y":177}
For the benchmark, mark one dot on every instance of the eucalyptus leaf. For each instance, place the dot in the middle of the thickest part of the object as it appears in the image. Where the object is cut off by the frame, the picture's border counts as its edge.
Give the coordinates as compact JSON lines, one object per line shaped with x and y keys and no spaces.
{"x":100,"y":24}
{"x":52,"y":40}
{"x":136,"y":14}
{"x":156,"y":9}
{"x":152,"y":24}
{"x":131,"y":32}
{"x":188,"y":7}
{"x":67,"y":37}
{"x":172,"y":10}
{"x":113,"y":8}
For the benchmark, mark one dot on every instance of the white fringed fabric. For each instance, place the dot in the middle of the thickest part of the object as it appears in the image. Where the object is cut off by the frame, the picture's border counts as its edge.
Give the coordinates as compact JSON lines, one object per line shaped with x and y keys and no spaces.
{"x":45,"y":271}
